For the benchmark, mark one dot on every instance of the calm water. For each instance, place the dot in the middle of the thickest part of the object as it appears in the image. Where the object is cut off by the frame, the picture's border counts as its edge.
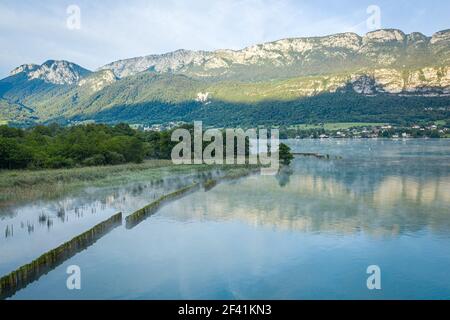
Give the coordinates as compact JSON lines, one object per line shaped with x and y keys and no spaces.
{"x":308,"y":233}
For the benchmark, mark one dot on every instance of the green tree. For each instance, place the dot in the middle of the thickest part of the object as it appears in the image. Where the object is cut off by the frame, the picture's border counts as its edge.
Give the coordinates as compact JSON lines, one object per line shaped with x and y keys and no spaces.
{"x":285,"y":154}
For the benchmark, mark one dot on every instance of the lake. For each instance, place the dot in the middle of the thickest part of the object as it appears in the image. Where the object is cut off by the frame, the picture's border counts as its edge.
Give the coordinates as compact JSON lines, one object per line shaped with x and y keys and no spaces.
{"x":310,"y":232}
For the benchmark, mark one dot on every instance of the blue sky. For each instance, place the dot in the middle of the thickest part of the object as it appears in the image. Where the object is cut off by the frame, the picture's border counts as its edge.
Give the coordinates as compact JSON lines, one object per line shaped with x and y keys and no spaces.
{"x":34,"y":31}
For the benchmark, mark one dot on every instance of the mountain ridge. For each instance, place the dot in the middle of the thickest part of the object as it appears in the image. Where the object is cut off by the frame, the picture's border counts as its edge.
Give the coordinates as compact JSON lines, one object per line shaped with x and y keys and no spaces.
{"x":383,"y":62}
{"x":284,"y":52}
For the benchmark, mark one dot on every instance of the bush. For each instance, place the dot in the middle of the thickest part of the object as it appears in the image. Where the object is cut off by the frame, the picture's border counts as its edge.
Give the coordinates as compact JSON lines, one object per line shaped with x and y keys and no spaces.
{"x":61,"y":147}
{"x":96,"y":160}
{"x":114,"y":158}
{"x":285,"y":154}
{"x":59,"y":162}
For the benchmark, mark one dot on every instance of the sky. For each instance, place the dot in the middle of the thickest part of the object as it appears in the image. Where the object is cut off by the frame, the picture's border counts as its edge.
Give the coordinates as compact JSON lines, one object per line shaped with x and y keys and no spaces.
{"x":93,"y":33}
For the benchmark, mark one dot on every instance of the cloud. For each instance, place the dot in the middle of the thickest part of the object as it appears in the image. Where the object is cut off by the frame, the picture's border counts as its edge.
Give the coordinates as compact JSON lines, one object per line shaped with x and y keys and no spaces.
{"x":33,"y":31}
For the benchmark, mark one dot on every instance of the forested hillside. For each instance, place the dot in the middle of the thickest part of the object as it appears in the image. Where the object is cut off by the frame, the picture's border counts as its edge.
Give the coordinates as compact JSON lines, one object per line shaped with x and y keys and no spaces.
{"x":384,"y":76}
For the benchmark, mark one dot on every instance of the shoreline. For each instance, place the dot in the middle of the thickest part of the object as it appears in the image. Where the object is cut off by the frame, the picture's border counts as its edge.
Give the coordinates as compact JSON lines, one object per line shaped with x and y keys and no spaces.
{"x":368,"y":138}
{"x":18,"y":186}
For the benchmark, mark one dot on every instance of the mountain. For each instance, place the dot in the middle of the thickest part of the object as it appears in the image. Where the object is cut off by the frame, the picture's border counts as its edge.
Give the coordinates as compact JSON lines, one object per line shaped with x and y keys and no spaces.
{"x":300,"y":57}
{"x":386,"y":75}
{"x":170,"y":62}
{"x":51,"y":71}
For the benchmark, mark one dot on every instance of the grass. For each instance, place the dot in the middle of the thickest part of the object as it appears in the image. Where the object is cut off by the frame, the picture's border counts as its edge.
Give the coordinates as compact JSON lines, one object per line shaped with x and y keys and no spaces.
{"x":440,"y":123}
{"x":209,"y":184}
{"x":27,"y":185}
{"x":36,"y":177}
{"x":22,"y":185}
{"x":337,"y":126}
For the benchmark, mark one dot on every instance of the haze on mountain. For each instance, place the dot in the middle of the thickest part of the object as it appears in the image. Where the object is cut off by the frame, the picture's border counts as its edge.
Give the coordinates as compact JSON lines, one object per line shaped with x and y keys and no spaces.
{"x":384,"y":76}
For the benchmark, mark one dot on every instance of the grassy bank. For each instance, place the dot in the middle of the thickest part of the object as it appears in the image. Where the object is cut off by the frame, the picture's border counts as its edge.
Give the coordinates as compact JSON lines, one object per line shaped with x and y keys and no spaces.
{"x":25,"y":185}
{"x":28,"y":185}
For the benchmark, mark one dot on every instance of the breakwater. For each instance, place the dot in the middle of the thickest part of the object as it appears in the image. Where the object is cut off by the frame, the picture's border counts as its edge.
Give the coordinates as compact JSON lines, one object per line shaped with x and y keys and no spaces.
{"x":31,"y":272}
{"x":137,"y":217}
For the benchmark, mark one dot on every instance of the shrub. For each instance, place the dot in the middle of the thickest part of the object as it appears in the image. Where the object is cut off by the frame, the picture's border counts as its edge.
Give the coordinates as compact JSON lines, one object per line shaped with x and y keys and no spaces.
{"x":114,"y":158}
{"x":285,"y":154}
{"x":59,"y":162}
{"x":96,"y":160}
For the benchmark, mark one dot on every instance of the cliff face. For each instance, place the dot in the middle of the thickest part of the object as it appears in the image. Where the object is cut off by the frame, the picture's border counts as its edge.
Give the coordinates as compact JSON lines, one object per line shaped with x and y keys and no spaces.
{"x":54,"y":72}
{"x":169,"y":62}
{"x":98,"y":80}
{"x":300,"y":56}
{"x":430,"y":80}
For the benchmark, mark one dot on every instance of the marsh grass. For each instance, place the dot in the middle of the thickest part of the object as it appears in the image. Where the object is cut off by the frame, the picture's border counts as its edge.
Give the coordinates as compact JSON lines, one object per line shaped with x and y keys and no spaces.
{"x":26,"y":185}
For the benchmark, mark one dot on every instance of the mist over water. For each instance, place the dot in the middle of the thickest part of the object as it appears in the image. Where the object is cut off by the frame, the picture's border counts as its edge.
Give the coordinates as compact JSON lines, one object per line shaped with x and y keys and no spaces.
{"x":308,"y":233}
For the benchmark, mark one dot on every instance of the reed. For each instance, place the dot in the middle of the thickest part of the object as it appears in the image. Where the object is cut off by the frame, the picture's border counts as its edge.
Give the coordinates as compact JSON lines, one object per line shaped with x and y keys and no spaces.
{"x":31,"y":272}
{"x":27,"y":185}
{"x":209,"y":184}
{"x":240,"y":173}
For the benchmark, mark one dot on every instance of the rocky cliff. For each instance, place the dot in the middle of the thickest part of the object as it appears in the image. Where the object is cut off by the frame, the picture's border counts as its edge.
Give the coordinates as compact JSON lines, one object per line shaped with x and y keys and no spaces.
{"x":300,"y":56}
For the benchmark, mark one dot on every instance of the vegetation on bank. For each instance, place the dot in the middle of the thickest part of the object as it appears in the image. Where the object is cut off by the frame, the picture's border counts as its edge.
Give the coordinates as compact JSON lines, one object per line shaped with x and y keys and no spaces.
{"x":25,"y":185}
{"x":28,"y":273}
{"x":285,"y":154}
{"x":66,"y":147}
{"x":56,"y":147}
{"x":36,"y":161}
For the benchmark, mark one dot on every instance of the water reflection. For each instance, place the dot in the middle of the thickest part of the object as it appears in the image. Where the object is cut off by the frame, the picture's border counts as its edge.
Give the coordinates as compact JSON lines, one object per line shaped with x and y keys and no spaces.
{"x":379,"y":193}
{"x":309,"y":232}
{"x":284,"y":176}
{"x":34,"y":228}
{"x":316,"y":204}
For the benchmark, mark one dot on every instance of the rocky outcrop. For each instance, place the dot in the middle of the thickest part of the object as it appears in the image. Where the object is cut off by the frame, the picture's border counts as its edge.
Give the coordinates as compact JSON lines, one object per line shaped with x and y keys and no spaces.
{"x":98,"y":80}
{"x":428,"y":80}
{"x":384,"y":36}
{"x":435,"y":81}
{"x":432,"y":81}
{"x":389,"y":48}
{"x":169,"y":62}
{"x":52,"y":71}
{"x":26,"y":68}
{"x":441,"y":38}
{"x":384,"y":62}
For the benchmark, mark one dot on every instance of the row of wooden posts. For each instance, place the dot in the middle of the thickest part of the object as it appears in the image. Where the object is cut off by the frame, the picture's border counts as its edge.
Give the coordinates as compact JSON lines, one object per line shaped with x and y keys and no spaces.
{"x":29,"y":273}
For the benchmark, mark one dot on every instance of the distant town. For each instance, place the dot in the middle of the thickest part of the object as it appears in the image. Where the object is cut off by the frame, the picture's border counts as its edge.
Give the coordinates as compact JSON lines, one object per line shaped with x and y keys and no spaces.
{"x":436,"y":130}
{"x":439,"y":129}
